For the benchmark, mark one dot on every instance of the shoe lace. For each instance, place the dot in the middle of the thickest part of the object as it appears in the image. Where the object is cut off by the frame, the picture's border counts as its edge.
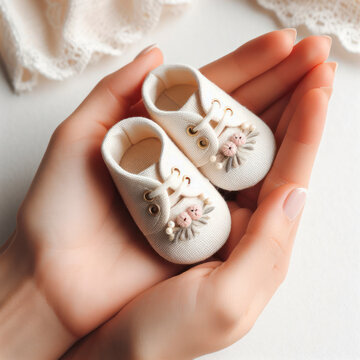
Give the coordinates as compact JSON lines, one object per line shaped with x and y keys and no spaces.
{"x":175,"y":182}
{"x":215,"y":108}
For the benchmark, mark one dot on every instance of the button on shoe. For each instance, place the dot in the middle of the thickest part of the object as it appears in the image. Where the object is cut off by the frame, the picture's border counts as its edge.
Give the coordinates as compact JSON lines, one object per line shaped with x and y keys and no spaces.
{"x":178,"y":210}
{"x":229,"y":144}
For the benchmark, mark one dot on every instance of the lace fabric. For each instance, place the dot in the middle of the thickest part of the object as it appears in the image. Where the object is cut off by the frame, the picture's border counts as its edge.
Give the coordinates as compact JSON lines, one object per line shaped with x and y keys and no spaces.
{"x":59,"y":38}
{"x":337,"y":17}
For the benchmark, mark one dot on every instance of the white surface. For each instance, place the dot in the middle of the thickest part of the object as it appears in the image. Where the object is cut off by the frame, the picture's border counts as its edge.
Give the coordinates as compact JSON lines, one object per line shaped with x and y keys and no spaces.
{"x":315,"y":314}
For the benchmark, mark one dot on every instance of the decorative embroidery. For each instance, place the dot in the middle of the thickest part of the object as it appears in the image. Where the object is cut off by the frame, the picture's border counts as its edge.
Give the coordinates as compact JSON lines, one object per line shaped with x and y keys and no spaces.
{"x":187,"y":223}
{"x":233,"y":151}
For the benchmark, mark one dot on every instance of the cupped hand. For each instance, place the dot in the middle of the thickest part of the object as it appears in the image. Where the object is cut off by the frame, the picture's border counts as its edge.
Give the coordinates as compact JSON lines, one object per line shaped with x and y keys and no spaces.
{"x":90,"y":261}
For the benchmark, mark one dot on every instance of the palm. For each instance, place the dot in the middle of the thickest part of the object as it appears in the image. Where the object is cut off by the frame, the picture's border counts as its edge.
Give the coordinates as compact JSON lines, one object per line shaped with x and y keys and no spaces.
{"x":98,"y":258}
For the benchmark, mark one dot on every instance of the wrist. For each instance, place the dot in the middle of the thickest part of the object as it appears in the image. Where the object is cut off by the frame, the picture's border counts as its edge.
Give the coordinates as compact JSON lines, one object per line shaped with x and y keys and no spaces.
{"x":29,"y":328}
{"x":121,"y":338}
{"x":125,"y":337}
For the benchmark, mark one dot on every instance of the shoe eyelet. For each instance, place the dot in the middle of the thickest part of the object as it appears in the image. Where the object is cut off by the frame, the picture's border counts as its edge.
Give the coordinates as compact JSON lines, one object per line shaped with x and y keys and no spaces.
{"x":190,"y":130}
{"x":146,"y":196}
{"x":216,"y":101}
{"x":153,"y":209}
{"x":203,"y":143}
{"x":186,"y":178}
{"x":228,"y":109}
{"x":175,"y":169}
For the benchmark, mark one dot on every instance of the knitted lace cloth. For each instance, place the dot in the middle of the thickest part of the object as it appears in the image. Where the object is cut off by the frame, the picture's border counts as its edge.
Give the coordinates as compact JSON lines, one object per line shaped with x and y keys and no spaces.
{"x":59,"y":38}
{"x":338,"y":17}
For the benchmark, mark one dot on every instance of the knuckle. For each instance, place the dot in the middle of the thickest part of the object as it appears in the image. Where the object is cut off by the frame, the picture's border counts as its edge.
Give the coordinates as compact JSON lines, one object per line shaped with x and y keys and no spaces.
{"x":280,"y":256}
{"x":61,"y":132}
{"x":319,"y":47}
{"x":225,"y":314}
{"x":277,"y":248}
{"x":26,"y":221}
{"x":280,"y":270}
{"x":282,"y":44}
{"x":313,"y":50}
{"x":106,"y":87}
{"x":230,"y":320}
{"x":58,"y":132}
{"x":103,"y":83}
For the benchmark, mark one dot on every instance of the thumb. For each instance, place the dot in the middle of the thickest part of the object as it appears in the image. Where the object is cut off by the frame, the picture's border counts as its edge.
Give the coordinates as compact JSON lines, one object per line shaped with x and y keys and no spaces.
{"x":260,"y":261}
{"x":276,"y":214}
{"x":112,"y":97}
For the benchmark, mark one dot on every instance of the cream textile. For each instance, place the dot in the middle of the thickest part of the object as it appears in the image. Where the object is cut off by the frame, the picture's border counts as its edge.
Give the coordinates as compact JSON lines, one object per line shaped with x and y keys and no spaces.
{"x":212,"y":236}
{"x":59,"y":38}
{"x":195,"y":94}
{"x":337,"y":17}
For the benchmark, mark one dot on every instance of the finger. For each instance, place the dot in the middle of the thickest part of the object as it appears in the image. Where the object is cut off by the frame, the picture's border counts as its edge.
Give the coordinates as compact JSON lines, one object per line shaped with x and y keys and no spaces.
{"x":295,"y":158}
{"x":272,"y":115}
{"x":239,"y":219}
{"x":250,"y":59}
{"x":267,"y":88}
{"x":248,"y":197}
{"x":321,"y":76}
{"x":113,"y":95}
{"x":245,"y":63}
{"x":139,"y":110}
{"x":260,"y":261}
{"x":233,"y":206}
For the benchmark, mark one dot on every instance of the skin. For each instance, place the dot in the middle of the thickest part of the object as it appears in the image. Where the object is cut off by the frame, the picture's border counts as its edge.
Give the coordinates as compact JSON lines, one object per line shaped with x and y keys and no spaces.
{"x":77,"y":264}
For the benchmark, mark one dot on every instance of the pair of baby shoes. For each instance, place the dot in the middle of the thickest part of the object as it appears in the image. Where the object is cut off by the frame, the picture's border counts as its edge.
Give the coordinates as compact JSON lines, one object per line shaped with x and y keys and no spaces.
{"x":168,"y":191}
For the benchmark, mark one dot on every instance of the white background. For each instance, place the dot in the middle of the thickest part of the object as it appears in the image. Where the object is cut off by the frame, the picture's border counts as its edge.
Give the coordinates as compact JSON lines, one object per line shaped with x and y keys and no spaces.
{"x":315,"y":314}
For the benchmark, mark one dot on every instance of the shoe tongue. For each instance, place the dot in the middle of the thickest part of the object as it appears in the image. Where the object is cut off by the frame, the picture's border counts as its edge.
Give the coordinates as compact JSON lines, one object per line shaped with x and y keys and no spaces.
{"x":152,"y":172}
{"x":193,"y":104}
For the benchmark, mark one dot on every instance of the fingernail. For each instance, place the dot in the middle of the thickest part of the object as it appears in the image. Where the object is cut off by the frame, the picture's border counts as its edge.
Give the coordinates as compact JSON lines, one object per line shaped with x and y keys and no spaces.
{"x":294,"y":203}
{"x":333,"y":65}
{"x":328,"y":38}
{"x":146,"y":50}
{"x":327,"y":90}
{"x":291,"y":31}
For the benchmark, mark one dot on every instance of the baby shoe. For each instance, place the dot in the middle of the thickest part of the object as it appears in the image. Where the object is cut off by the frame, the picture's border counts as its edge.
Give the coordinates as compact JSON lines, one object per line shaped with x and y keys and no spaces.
{"x":229,"y":144}
{"x":178,"y":210}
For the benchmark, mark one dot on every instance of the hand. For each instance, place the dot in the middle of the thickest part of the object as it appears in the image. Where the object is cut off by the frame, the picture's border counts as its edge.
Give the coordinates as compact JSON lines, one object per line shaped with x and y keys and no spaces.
{"x":212,"y":305}
{"x":75,"y":244}
{"x":81,"y":251}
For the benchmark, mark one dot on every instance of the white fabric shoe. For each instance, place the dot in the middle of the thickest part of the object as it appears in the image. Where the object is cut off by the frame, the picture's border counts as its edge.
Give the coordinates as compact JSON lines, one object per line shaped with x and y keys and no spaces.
{"x":229,"y":144}
{"x":181,"y":214}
